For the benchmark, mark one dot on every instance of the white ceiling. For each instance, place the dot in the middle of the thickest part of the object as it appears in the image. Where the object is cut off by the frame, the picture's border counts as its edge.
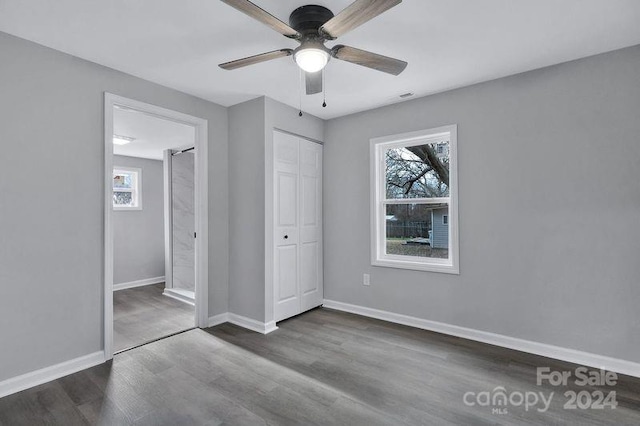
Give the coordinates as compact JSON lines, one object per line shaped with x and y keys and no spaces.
{"x":152,"y":135}
{"x":448,"y":43}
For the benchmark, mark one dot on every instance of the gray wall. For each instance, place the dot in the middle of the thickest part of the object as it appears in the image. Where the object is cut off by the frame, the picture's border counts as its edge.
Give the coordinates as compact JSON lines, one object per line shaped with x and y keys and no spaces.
{"x":246,"y":206}
{"x":251,"y":127}
{"x":51,"y":255}
{"x":138,"y":235}
{"x":184,"y":220}
{"x":549,"y":207}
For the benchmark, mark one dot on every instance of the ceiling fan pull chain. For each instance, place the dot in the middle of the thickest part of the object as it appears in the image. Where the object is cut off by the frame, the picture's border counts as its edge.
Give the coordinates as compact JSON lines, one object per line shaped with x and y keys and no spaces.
{"x":324,"y":91}
{"x":300,"y":92}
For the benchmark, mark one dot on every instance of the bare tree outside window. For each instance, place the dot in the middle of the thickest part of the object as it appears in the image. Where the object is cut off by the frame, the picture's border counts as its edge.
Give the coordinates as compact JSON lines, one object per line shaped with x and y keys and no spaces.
{"x":420,"y":171}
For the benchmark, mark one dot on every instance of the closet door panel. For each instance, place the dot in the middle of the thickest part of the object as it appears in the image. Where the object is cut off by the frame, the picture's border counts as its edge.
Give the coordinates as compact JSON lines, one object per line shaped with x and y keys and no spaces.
{"x":310,"y":224}
{"x":286,"y":226}
{"x":308,"y":268}
{"x":287,"y":273}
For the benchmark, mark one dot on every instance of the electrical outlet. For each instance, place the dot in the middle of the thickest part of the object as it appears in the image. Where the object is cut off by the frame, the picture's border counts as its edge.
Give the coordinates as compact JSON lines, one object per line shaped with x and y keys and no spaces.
{"x":366,"y":279}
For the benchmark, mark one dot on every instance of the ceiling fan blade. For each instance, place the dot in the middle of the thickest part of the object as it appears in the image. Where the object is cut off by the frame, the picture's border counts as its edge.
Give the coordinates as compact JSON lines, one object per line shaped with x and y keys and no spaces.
{"x":314,"y":82}
{"x":256,"y":59}
{"x":263,"y":16}
{"x":368,"y":59}
{"x":356,"y":14}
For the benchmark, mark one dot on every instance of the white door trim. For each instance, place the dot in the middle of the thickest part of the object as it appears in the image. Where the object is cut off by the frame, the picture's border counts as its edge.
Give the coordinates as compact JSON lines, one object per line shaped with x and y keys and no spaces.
{"x":168,"y":219}
{"x":269,"y":295}
{"x":201,"y":210}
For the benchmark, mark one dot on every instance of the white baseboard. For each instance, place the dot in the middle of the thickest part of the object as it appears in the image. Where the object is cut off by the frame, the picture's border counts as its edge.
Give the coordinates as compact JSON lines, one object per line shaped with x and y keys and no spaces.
{"x":47,"y":374}
{"x":138,"y":283}
{"x":270,"y":327}
{"x":179,"y":295}
{"x":244,"y":322}
{"x":218,"y":319}
{"x":556,"y":352}
{"x":251,"y":324}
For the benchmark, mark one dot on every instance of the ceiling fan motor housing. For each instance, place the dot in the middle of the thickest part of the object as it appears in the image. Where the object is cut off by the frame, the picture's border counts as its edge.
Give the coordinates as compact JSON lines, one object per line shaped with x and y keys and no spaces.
{"x":308,"y":19}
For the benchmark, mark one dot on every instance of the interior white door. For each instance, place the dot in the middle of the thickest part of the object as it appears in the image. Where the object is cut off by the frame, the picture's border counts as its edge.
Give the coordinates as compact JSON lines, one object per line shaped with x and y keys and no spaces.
{"x":297,"y":225}
{"x":286,"y":173}
{"x":310,"y":246}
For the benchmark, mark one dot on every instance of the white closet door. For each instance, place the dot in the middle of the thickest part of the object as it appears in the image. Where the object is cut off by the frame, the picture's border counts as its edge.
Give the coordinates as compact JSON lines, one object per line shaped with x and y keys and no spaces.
{"x":310,"y":219}
{"x":297,"y":225}
{"x":286,"y":182}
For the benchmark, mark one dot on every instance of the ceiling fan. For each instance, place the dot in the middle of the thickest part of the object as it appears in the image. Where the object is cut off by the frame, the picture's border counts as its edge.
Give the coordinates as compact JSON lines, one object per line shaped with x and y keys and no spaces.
{"x":312,"y":26}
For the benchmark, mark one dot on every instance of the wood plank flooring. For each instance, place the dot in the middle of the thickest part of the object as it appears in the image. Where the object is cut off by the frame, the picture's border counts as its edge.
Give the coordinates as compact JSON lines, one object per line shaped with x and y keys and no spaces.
{"x":143,"y":314}
{"x":323,"y":367}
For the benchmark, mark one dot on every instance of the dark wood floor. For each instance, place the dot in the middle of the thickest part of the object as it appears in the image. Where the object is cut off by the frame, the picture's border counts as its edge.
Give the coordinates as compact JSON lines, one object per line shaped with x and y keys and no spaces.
{"x":143,"y":314}
{"x":323,"y":367}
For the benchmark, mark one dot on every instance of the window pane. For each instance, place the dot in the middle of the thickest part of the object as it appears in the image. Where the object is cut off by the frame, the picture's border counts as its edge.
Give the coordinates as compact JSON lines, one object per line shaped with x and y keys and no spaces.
{"x":417,"y":230}
{"x":122,"y":180}
{"x":122,"y":198}
{"x":420,"y":171}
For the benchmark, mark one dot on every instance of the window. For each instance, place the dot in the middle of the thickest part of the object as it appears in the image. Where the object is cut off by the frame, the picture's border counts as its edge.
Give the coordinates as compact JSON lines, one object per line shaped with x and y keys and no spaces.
{"x":126,"y":188}
{"x":414,"y":201}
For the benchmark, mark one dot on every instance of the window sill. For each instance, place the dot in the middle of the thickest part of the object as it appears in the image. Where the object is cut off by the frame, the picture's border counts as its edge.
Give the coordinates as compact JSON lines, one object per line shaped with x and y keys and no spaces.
{"x":443,"y":268}
{"x":124,"y":209}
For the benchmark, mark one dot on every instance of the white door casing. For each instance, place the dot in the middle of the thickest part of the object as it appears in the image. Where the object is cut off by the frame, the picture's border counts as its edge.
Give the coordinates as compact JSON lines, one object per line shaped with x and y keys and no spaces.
{"x":297,"y":254}
{"x":201,"y":200}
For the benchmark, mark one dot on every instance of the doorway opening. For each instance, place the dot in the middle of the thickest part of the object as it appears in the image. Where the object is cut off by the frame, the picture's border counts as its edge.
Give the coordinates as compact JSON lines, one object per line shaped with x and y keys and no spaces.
{"x":155,"y":223}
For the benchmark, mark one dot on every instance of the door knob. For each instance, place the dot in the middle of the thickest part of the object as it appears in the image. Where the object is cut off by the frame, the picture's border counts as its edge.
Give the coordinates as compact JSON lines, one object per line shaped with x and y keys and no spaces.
{"x":286,"y":237}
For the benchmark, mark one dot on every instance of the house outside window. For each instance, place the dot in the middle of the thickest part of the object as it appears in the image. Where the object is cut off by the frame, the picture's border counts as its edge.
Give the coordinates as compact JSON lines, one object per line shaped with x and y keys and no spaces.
{"x":126,"y":188}
{"x":414,"y":200}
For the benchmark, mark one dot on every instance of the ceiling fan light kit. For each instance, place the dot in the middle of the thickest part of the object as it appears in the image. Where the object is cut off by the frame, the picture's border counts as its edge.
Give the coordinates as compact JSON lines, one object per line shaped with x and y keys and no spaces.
{"x":311,"y":59}
{"x":312,"y":26}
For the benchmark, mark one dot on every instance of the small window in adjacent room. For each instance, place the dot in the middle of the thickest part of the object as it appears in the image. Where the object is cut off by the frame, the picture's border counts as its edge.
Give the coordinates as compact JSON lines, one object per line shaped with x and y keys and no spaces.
{"x":414,"y":201}
{"x":126,"y":188}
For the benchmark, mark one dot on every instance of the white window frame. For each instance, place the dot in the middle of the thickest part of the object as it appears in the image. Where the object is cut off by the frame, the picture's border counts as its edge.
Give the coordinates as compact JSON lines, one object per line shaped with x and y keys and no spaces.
{"x":378,"y":146}
{"x":136,"y":191}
